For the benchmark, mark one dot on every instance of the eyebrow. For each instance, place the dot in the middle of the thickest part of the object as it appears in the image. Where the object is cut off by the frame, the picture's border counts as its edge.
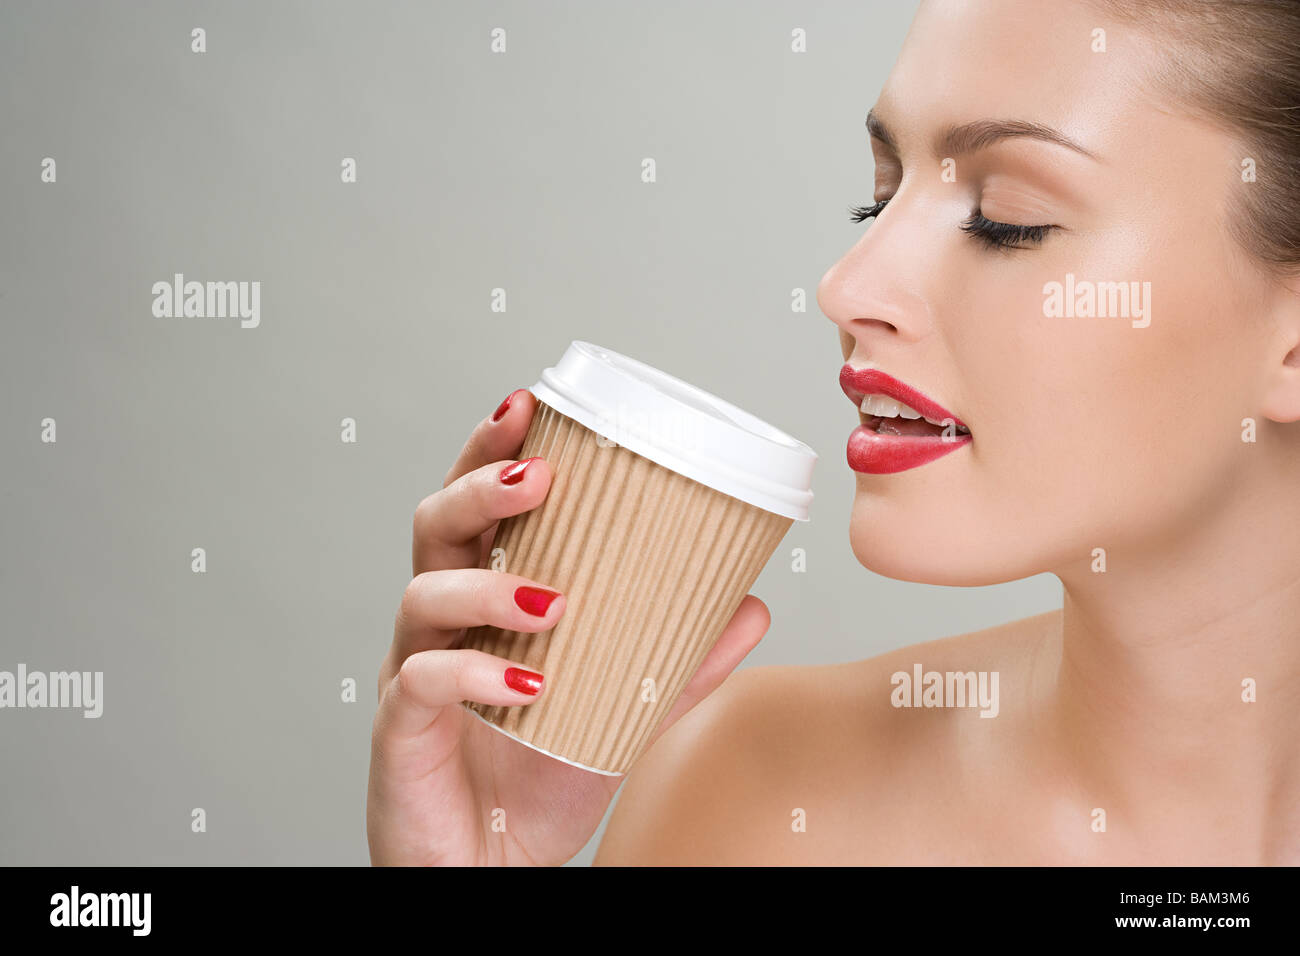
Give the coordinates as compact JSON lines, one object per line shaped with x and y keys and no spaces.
{"x":978,"y":134}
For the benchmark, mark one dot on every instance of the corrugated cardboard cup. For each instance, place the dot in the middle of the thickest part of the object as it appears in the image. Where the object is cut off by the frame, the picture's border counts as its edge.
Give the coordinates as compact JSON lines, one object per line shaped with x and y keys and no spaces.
{"x":665,"y":504}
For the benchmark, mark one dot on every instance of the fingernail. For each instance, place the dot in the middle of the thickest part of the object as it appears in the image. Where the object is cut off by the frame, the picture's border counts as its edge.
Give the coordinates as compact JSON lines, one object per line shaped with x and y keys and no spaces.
{"x":521,"y":680}
{"x":504,"y":406}
{"x":535,"y":600}
{"x":513,"y":474}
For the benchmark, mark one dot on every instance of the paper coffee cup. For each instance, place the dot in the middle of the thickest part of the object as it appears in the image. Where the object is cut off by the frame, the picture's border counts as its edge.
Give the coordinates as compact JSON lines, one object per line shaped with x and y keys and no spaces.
{"x":665,"y":504}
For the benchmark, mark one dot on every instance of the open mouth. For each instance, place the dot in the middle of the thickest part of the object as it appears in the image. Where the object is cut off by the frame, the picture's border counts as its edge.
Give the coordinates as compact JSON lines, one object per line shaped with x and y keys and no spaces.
{"x":888,"y":416}
{"x":902,"y":428}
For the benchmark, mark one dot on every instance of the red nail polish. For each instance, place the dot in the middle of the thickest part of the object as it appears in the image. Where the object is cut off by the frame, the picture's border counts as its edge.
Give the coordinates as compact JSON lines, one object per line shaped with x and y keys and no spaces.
{"x":521,"y":680}
{"x":504,"y":406}
{"x":513,"y":474}
{"x":535,"y":601}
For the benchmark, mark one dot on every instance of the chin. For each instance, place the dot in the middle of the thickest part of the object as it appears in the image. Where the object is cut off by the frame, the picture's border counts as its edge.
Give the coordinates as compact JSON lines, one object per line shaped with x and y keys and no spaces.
{"x":915,"y":541}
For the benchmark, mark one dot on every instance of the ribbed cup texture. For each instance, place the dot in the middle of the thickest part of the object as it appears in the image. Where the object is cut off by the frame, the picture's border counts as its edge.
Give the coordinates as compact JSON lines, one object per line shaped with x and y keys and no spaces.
{"x":652,"y":565}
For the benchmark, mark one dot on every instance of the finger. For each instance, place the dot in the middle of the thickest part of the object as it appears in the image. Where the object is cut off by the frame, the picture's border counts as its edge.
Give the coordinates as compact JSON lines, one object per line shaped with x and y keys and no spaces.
{"x":741,"y":635}
{"x":431,"y":680}
{"x":436,"y":605}
{"x":449,"y":524}
{"x":498,"y":436}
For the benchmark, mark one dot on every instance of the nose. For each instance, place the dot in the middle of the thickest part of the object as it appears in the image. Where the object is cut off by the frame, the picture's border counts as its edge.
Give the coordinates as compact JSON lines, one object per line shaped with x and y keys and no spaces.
{"x":875,"y":293}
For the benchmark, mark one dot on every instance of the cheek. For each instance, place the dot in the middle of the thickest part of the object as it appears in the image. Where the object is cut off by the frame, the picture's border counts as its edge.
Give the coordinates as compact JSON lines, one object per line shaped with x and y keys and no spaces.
{"x":1103,"y":429}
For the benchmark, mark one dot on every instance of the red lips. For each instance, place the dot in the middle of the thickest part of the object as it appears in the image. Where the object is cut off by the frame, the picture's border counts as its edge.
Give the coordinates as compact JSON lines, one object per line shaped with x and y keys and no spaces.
{"x":870,"y":452}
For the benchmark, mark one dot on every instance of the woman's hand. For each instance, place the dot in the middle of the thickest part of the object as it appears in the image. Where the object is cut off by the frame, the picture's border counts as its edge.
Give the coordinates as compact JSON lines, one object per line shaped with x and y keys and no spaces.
{"x":440,"y":778}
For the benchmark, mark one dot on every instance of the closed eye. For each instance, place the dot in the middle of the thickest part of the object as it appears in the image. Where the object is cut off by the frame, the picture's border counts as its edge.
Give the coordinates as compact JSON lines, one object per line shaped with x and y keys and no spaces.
{"x":990,"y":232}
{"x":1004,"y":235}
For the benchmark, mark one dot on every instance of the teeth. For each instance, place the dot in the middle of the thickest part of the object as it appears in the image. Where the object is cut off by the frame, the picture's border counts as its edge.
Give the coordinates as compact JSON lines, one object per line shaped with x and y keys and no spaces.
{"x":886,"y":407}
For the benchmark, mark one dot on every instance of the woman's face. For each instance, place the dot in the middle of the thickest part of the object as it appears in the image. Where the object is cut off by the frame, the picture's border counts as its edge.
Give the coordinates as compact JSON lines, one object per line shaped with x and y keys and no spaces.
{"x":1102,"y":430}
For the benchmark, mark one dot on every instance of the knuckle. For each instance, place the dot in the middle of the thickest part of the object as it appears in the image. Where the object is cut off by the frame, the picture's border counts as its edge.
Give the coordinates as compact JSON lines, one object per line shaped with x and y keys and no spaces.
{"x":460,"y":669}
{"x":449,"y":476}
{"x":460,"y":493}
{"x":479,"y":590}
{"x":406,"y":676}
{"x":424,"y":514}
{"x":424,"y":524}
{"x":468,"y":453}
{"x":455,"y":495}
{"x":415,"y":593}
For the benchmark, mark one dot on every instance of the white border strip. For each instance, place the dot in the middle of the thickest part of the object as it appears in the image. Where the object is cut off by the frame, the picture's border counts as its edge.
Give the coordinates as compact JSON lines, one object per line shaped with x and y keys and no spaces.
{"x":540,"y":750}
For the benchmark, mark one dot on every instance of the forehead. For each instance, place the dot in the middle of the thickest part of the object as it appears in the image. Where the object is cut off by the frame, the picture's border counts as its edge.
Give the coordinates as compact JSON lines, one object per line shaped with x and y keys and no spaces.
{"x":1031,"y":60}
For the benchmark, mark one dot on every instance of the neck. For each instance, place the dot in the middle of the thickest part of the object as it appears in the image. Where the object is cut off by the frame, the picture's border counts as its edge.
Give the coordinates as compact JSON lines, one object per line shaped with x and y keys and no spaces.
{"x":1160,"y":656}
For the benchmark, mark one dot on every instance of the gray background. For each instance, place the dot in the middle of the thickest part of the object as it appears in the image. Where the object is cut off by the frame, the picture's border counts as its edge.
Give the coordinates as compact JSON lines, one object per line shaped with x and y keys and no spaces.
{"x":475,"y":171}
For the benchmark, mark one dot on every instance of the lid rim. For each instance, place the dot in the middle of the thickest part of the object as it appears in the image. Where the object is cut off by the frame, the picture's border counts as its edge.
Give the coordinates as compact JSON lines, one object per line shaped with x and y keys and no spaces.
{"x":737,"y":459}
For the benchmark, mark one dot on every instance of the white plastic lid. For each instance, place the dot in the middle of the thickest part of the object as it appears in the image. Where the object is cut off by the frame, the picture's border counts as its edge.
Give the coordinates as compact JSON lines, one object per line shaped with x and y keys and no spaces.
{"x":681,"y":427}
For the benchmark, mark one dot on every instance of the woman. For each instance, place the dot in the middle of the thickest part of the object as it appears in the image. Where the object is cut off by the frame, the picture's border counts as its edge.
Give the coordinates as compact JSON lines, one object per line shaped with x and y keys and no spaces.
{"x":1086,"y":248}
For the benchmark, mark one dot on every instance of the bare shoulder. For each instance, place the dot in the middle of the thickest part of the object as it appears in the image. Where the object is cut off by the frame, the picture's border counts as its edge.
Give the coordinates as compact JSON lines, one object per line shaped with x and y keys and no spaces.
{"x":815,"y":764}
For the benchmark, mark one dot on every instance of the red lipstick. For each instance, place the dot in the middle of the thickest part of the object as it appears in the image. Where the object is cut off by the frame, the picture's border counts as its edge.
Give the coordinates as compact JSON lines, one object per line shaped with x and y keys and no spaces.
{"x":884,"y":445}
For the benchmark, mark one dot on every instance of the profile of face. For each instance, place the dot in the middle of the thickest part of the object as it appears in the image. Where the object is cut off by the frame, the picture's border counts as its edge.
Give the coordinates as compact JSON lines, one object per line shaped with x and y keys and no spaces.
{"x":1110,"y":424}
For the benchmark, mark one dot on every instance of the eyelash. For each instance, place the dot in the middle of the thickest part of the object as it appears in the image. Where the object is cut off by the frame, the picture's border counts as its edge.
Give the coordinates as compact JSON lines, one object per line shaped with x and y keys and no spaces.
{"x":993,"y":234}
{"x":859,"y":213}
